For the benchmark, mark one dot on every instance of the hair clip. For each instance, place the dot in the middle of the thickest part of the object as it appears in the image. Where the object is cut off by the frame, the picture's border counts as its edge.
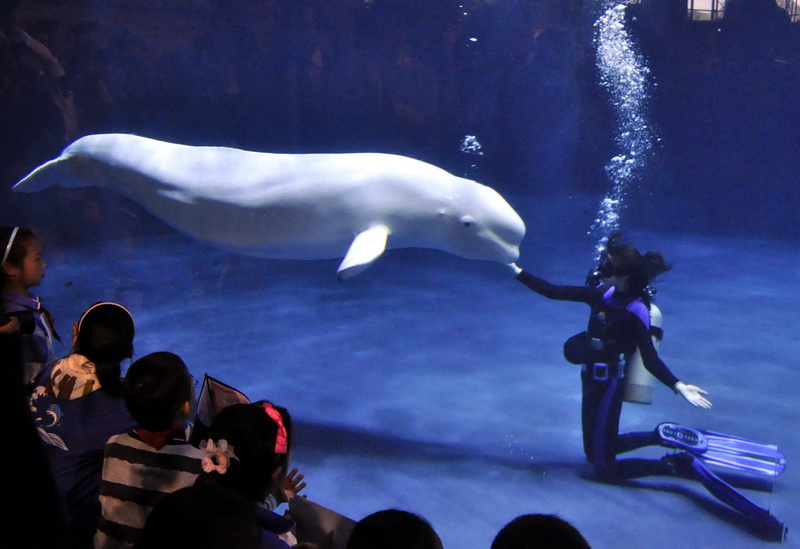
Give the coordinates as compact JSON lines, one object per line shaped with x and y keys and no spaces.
{"x":218,"y":456}
{"x":9,"y":245}
{"x":281,"y":440}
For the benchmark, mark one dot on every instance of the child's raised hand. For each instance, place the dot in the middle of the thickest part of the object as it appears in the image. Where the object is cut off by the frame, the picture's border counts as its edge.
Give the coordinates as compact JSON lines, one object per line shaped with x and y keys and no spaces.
{"x":292,"y":484}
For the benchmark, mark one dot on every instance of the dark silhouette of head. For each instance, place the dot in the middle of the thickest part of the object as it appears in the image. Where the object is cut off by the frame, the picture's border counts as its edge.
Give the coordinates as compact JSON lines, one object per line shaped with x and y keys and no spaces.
{"x":393,"y":529}
{"x":624,"y":259}
{"x":157,"y":388}
{"x":538,"y":531}
{"x":105,"y":336}
{"x":262,"y":456}
{"x":208,"y":516}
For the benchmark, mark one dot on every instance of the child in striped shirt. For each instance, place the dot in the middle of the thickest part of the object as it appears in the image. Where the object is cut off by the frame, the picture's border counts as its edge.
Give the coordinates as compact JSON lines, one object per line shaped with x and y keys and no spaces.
{"x":144,"y":465}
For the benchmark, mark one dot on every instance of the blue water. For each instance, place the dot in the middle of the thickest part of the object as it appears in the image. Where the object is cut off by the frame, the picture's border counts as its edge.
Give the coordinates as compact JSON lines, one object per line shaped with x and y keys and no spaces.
{"x":436,"y":384}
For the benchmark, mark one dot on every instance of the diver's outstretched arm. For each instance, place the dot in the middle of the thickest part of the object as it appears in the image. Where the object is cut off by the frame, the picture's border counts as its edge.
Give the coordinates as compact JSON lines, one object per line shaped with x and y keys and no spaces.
{"x":579,"y":294}
{"x":693,"y":394}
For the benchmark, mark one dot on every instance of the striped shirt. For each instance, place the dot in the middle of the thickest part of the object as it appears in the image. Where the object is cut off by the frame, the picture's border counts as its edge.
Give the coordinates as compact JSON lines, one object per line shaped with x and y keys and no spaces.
{"x":135,"y":477}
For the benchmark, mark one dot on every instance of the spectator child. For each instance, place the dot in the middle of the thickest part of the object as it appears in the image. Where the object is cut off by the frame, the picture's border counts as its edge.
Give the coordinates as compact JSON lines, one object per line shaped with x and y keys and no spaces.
{"x":393,"y":529}
{"x":539,"y":532}
{"x":144,"y":465}
{"x":249,"y":450}
{"x":78,"y":407}
{"x":22,"y":269}
{"x":208,"y":515}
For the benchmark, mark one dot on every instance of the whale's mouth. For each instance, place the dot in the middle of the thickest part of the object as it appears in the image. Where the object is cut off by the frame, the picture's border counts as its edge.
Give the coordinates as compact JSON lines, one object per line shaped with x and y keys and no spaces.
{"x":512,"y":254}
{"x":509,"y":253}
{"x":493,"y":246}
{"x":507,"y":238}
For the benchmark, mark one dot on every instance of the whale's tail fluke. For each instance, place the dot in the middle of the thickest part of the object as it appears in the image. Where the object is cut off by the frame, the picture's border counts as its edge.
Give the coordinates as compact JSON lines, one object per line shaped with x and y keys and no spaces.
{"x":54,"y":172}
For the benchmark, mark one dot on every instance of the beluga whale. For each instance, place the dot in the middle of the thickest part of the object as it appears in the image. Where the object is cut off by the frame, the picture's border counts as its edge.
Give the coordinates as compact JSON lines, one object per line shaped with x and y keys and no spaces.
{"x":294,"y":206}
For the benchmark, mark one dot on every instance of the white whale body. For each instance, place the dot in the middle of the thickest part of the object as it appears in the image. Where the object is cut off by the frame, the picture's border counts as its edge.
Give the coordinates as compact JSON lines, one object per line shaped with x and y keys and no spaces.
{"x":294,"y":206}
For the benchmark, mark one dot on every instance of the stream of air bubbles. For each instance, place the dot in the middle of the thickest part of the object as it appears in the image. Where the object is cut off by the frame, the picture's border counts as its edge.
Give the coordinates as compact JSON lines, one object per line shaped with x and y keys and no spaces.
{"x":625,"y":76}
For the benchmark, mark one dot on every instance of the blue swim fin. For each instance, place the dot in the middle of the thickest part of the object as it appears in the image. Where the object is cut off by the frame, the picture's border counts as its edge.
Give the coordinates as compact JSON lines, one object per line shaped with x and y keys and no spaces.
{"x":725,"y":451}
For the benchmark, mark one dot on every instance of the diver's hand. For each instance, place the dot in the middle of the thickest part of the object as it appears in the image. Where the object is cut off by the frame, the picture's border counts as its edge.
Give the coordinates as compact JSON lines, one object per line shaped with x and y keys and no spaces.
{"x":693,"y":394}
{"x":514,"y":267}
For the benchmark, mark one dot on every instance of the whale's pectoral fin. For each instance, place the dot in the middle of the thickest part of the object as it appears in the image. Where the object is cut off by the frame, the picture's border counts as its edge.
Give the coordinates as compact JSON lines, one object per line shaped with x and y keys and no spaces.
{"x":367,"y":246}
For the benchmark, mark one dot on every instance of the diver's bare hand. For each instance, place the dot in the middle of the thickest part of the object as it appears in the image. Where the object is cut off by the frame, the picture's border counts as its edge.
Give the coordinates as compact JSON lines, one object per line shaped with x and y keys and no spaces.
{"x":693,"y":394}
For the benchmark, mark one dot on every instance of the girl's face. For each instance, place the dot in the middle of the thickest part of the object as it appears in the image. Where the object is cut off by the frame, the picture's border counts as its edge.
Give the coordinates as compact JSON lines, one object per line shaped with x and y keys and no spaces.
{"x":31,"y":271}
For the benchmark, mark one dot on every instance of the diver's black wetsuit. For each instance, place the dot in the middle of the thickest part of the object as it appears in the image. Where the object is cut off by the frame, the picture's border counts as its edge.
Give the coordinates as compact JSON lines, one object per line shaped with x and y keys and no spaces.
{"x":618,"y":328}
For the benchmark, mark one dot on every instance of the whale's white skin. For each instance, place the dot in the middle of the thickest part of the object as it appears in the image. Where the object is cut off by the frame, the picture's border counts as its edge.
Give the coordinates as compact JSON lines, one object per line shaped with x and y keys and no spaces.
{"x":294,"y":206}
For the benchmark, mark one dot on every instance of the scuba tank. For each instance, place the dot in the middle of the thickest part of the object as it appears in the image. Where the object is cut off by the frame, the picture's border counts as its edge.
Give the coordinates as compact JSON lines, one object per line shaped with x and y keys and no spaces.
{"x":640,"y":383}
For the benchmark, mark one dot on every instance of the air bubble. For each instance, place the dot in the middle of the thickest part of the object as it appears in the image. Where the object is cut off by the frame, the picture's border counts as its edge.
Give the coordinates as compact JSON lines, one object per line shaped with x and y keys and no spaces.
{"x":624,"y":74}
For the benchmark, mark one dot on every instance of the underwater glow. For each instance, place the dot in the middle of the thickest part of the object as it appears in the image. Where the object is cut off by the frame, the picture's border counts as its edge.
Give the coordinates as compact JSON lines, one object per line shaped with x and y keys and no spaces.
{"x":624,"y":74}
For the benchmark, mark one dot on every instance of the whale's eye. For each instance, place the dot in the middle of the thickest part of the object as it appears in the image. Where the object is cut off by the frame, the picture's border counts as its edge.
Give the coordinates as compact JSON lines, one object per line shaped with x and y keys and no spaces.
{"x":467,"y":221}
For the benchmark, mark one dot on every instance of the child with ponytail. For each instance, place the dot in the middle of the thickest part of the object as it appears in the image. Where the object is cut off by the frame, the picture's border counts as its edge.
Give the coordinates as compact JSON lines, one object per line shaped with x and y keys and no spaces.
{"x":249,"y":450}
{"x":78,"y":406}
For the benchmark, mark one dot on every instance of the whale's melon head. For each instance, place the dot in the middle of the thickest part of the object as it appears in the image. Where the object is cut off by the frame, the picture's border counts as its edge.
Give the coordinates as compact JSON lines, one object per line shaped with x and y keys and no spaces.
{"x":481,"y":224}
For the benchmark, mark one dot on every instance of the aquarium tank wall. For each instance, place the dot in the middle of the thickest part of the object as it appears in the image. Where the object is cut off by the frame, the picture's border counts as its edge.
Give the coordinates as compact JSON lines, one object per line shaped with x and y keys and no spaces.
{"x":279,"y":192}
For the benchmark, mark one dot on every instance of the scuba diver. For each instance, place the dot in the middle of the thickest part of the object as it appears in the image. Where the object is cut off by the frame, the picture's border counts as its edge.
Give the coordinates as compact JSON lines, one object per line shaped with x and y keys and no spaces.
{"x":619,"y":293}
